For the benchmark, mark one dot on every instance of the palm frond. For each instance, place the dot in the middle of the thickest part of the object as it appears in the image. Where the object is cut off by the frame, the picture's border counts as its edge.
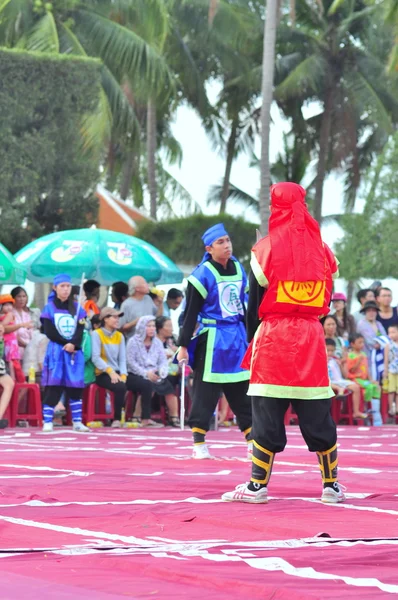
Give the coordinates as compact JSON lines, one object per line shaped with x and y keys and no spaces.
{"x":69,"y":43}
{"x":235,"y":195}
{"x":96,"y":126}
{"x":123,"y":51}
{"x":44,"y":35}
{"x":308,"y":77}
{"x":124,"y":118}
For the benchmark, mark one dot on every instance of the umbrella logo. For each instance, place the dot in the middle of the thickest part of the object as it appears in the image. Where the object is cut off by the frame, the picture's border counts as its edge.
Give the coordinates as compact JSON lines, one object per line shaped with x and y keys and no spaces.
{"x":67,"y":251}
{"x":119,"y":253}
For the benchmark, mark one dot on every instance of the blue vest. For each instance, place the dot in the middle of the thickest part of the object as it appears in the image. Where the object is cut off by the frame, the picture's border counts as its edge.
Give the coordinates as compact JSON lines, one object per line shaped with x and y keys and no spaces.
{"x":61,"y":368}
{"x":222,"y":318}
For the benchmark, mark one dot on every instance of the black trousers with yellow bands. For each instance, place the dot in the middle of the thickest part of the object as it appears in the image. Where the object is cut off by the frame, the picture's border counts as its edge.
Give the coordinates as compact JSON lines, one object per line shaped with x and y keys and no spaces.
{"x":269,"y":435}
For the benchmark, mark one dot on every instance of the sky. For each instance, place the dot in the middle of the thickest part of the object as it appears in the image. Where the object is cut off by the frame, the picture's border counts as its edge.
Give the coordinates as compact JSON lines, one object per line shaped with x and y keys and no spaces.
{"x":202,"y":167}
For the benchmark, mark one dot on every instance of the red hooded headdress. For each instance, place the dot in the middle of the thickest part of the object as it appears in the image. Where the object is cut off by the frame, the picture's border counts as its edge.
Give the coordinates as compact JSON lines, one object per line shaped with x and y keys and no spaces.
{"x":297,"y":249}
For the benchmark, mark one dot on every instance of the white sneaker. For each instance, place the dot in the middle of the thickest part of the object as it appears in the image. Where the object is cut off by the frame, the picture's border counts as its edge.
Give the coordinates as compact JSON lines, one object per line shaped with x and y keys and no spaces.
{"x":242,"y":494}
{"x":201,"y":451}
{"x":48,"y":427}
{"x":334,"y":495}
{"x":116,"y":424}
{"x":249,"y":451}
{"x":78,"y":426}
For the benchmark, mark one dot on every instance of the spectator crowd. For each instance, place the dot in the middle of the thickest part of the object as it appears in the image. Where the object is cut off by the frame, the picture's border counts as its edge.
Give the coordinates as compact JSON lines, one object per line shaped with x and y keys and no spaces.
{"x":127,"y":348}
{"x":130,"y":347}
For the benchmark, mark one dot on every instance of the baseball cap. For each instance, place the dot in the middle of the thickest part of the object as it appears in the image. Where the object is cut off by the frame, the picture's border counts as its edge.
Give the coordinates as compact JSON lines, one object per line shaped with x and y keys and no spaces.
{"x":108,"y":311}
{"x":6,"y":299}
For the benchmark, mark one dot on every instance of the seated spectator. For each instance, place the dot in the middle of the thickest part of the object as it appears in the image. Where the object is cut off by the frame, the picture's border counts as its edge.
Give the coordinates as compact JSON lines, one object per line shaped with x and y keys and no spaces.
{"x":369,"y":327}
{"x":91,"y":289}
{"x":363,"y":296}
{"x":164,"y":331}
{"x":23,"y":317}
{"x":6,"y":383}
{"x":139,"y":304}
{"x":109,"y":358}
{"x":388,"y":315}
{"x":329,"y":324}
{"x":346,"y":325}
{"x":172,"y":302}
{"x":12,"y":352}
{"x":358,"y":371}
{"x":34,"y":354}
{"x":148,"y":370}
{"x":390,"y":382}
{"x":157,"y":296}
{"x":120,"y":291}
{"x":340,"y":383}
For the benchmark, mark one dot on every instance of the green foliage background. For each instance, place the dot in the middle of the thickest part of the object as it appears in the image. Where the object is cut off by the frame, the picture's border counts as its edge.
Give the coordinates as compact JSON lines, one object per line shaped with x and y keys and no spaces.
{"x":45,"y":178}
{"x":181,"y":238}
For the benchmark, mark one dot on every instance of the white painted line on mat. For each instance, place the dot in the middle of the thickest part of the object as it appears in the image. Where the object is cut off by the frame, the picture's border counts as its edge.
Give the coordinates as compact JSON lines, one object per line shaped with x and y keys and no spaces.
{"x":42,"y":468}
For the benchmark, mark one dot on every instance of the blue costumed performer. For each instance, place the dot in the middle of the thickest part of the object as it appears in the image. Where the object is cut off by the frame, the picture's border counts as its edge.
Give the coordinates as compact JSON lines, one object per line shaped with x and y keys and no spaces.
{"x":215,"y":311}
{"x":63,"y":323}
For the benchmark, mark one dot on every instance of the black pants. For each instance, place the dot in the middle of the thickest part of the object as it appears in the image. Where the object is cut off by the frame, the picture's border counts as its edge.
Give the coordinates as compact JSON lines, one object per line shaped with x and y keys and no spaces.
{"x":118,"y":389}
{"x":143,"y":387}
{"x":205,"y":397}
{"x":53,"y":393}
{"x":269,"y":434}
{"x":315,"y":421}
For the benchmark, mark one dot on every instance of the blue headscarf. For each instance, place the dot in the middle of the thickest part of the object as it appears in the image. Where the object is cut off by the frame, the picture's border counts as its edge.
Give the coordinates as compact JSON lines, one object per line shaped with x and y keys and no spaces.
{"x":210,"y":236}
{"x":60,"y":278}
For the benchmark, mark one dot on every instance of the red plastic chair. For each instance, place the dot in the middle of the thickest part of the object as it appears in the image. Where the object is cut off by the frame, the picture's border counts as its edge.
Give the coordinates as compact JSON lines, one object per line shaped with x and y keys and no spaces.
{"x":94,"y":405}
{"x":342,"y":408}
{"x":34,"y":411}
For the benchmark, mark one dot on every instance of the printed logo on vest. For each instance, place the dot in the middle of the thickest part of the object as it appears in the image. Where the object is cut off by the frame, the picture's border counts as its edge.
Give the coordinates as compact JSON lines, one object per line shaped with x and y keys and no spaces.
{"x":65,"y":325}
{"x":304,"y":293}
{"x":229,"y":294}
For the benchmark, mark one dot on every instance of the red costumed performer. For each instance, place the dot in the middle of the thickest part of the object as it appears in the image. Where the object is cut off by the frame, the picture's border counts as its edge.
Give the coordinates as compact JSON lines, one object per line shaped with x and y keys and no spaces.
{"x":291,"y":280}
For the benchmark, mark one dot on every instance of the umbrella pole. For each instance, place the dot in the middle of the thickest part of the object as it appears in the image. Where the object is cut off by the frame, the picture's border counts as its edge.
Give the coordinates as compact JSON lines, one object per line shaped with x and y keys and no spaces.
{"x":182,"y":395}
{"x":79,"y":303}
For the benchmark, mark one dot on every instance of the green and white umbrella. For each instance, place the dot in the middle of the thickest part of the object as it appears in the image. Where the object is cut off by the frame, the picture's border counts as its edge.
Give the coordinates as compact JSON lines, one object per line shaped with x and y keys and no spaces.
{"x":106,"y":256}
{"x":10,"y":270}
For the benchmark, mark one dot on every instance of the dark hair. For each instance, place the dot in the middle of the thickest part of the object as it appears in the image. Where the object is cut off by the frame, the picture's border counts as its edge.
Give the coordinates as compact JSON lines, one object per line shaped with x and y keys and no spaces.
{"x":328,"y":317}
{"x":15,"y":291}
{"x":160,"y":321}
{"x":75,"y":290}
{"x":90,"y":286}
{"x":120,"y":290}
{"x":395,"y":325}
{"x":330,"y":342}
{"x":377,"y":292}
{"x":362,"y":294}
{"x":95,"y":320}
{"x":173,"y":294}
{"x":353,"y":338}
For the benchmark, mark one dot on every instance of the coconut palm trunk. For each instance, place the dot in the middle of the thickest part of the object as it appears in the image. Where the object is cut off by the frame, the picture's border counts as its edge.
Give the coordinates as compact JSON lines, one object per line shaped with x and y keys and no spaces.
{"x":271,"y":20}
{"x":228,"y":165}
{"x":151,"y":152}
{"x":324,"y":142}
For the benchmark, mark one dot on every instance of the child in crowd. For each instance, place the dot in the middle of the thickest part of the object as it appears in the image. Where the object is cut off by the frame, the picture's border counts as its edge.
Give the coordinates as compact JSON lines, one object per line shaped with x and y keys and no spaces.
{"x":91,"y":289}
{"x":5,"y":381}
{"x":339,"y":382}
{"x":358,"y":371}
{"x":391,"y":369}
{"x":12,"y":355}
{"x":34,"y":354}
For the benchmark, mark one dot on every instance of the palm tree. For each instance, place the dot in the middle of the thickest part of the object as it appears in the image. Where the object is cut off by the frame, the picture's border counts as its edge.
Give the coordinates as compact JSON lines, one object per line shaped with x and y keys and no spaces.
{"x":92,"y":28}
{"x":336,"y":56}
{"x":271,"y":21}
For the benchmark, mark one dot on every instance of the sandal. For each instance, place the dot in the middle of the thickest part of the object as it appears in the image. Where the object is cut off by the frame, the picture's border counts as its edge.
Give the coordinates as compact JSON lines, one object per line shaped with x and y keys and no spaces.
{"x":175,"y":422}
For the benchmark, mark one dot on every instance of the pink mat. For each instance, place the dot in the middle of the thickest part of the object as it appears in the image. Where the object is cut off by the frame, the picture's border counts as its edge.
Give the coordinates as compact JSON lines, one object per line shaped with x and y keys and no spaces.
{"x":116,"y":514}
